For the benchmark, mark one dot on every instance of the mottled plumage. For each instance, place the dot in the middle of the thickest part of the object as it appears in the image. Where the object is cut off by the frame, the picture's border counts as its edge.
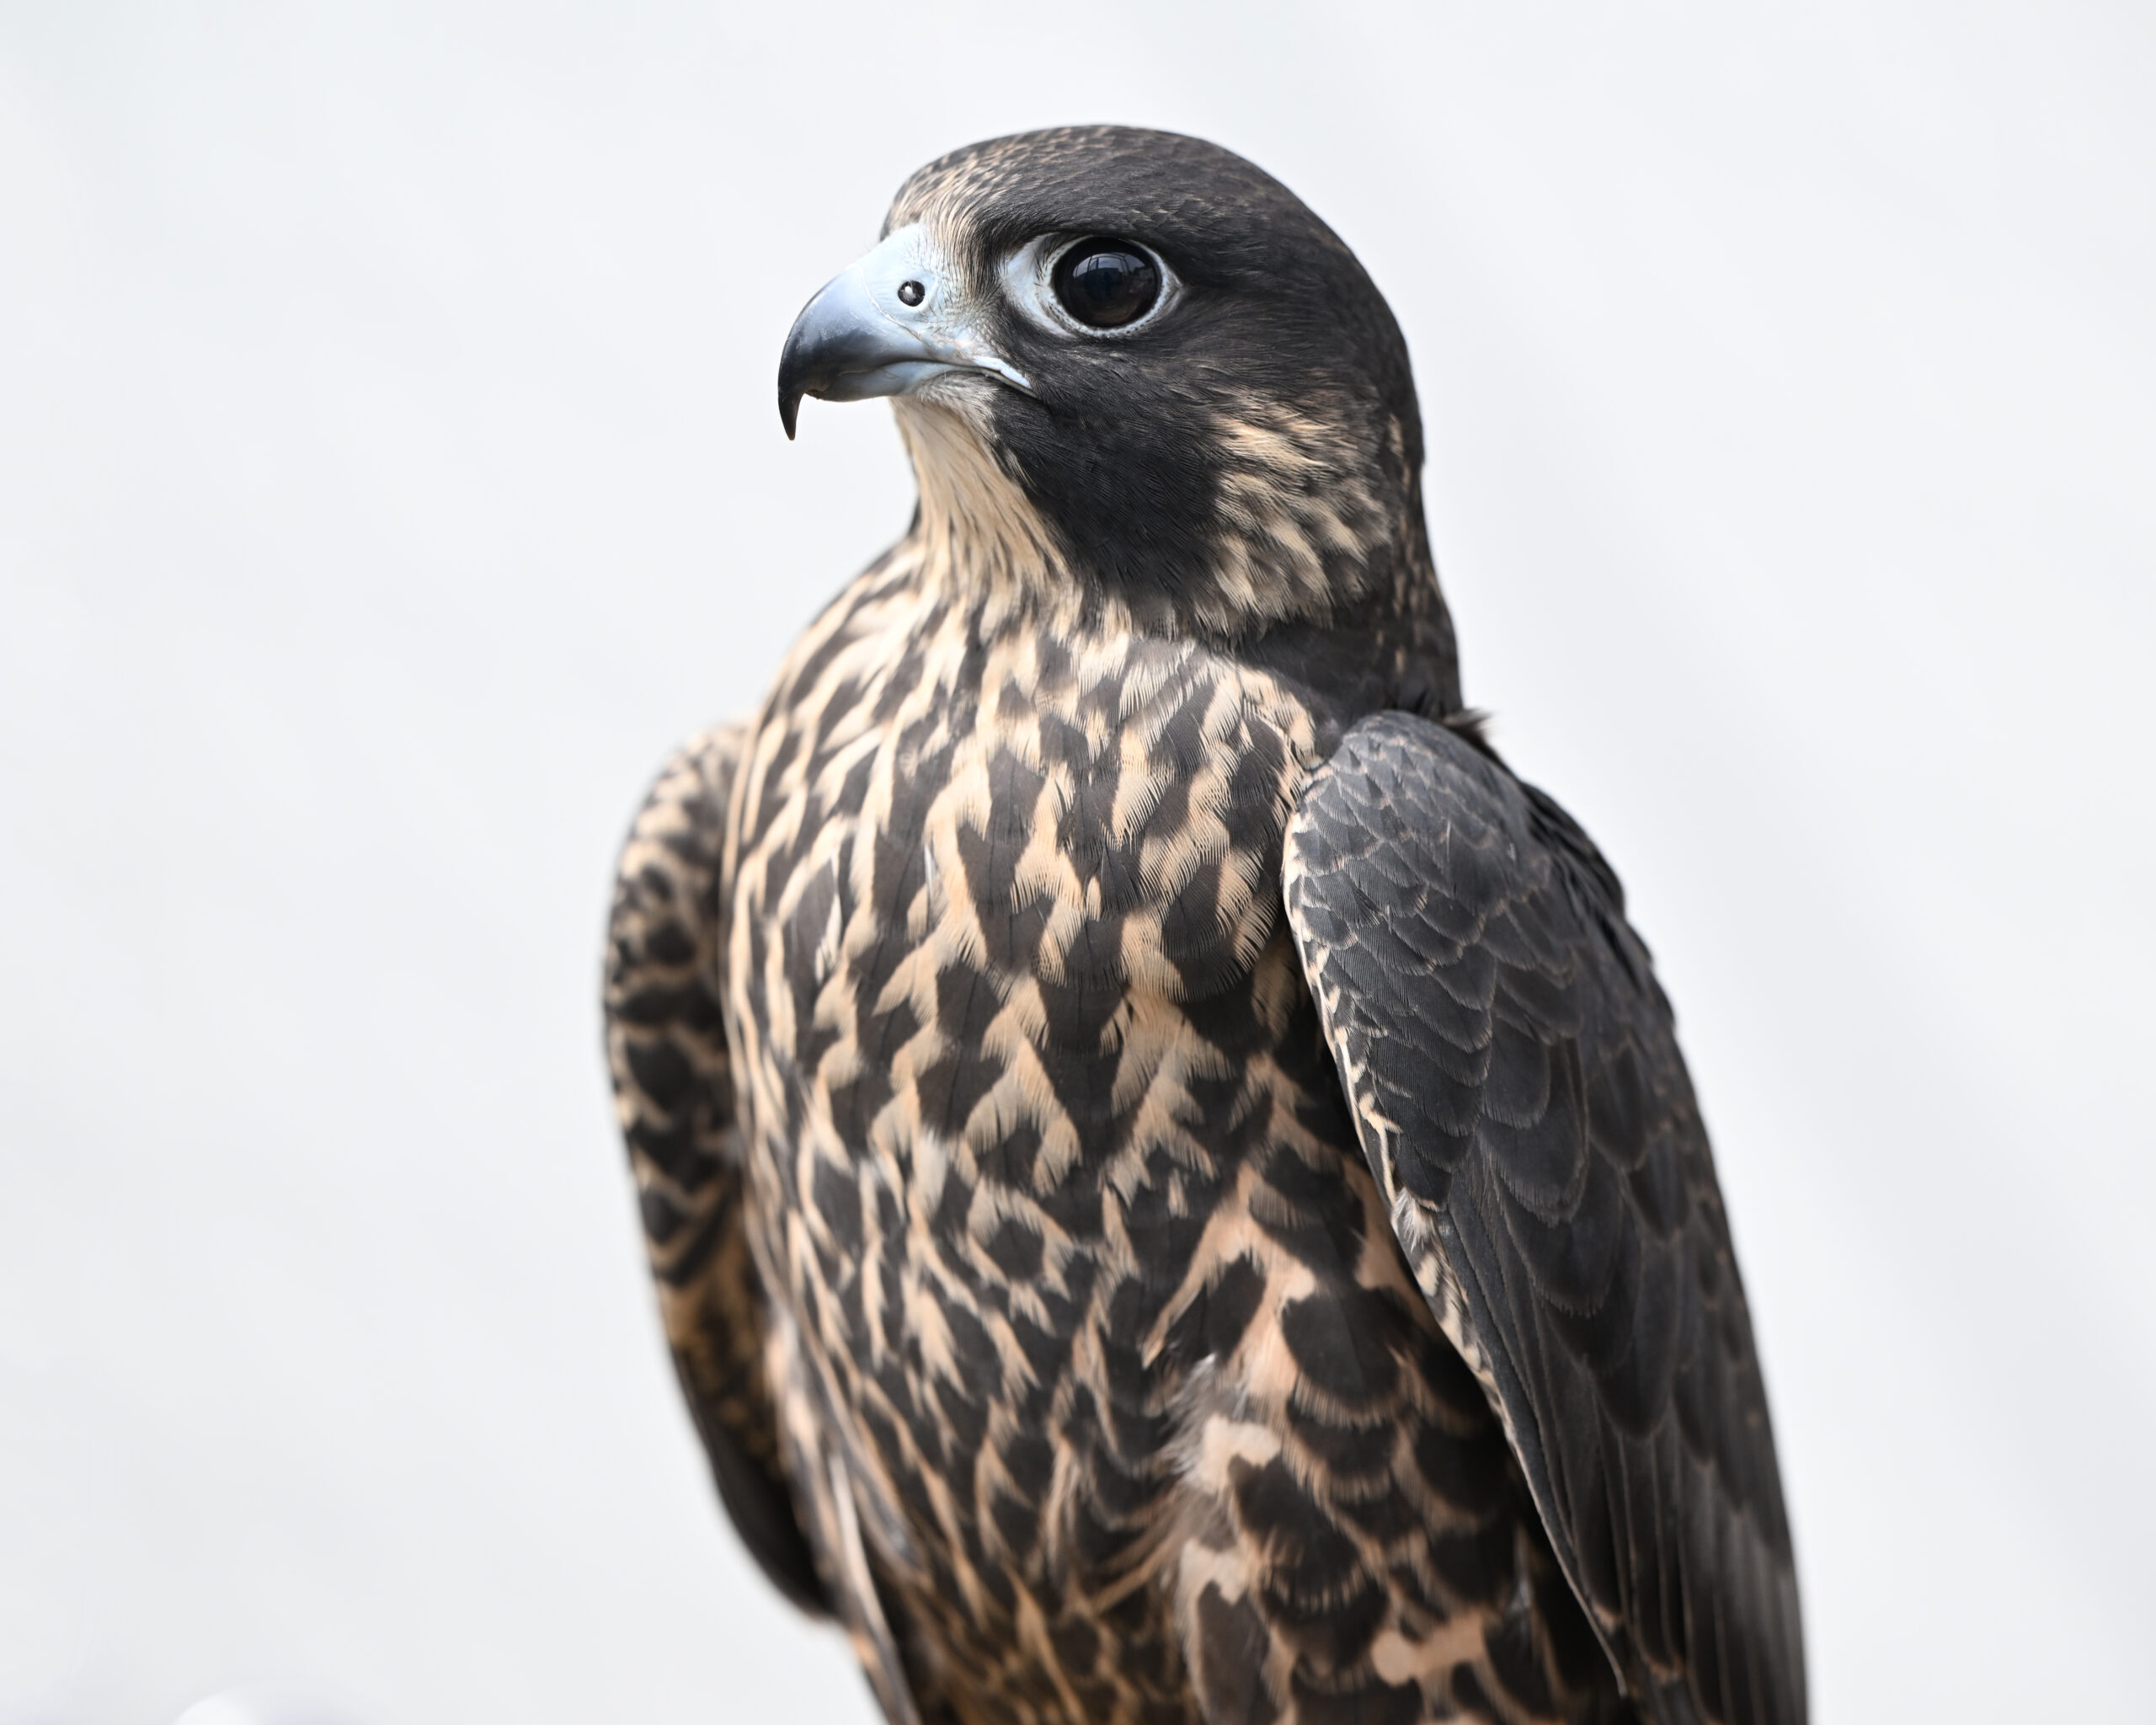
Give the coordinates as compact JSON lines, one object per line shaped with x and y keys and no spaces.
{"x":1172,"y":1190}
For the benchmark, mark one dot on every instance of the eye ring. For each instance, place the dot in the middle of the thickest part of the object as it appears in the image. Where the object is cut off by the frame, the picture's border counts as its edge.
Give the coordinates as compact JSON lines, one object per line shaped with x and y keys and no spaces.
{"x":1030,"y":275}
{"x":1106,"y":283}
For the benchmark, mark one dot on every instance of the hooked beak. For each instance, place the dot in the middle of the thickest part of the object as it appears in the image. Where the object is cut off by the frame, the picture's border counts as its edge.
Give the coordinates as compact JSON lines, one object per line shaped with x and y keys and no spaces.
{"x":886,"y":327}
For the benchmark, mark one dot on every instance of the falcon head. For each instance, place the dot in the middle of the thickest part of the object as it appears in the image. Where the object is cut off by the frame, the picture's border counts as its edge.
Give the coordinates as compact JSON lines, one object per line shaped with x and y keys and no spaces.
{"x":1132,"y":371}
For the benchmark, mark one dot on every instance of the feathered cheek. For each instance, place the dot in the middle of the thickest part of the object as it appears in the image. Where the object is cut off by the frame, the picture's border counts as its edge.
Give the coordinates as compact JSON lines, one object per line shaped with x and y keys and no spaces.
{"x":1299,"y":519}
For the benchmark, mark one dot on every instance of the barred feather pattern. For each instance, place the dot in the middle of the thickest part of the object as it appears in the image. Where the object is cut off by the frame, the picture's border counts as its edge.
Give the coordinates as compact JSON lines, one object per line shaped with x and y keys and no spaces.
{"x":1105,"y":1391}
{"x":666,"y":1050}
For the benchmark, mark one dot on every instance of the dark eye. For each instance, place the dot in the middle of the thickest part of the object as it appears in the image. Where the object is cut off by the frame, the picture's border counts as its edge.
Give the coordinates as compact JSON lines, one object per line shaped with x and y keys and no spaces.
{"x":1106,"y":283}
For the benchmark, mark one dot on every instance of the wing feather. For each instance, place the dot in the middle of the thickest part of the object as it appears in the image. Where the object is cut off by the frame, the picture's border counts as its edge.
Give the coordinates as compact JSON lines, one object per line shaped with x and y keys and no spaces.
{"x":1515,"y":1077}
{"x":674,"y":1093}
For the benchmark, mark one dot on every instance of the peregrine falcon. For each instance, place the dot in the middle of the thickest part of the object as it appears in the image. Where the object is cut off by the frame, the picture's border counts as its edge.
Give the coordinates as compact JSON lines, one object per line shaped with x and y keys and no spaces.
{"x":1172,"y":1186}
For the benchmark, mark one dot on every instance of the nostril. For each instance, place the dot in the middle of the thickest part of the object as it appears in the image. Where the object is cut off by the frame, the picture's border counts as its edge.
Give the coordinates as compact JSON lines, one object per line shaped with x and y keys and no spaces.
{"x":911,"y":293}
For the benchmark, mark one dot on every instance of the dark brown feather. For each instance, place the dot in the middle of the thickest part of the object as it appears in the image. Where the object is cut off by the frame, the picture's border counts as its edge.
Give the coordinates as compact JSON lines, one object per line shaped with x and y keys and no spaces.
{"x":674,"y":1093}
{"x":1514,"y":1071}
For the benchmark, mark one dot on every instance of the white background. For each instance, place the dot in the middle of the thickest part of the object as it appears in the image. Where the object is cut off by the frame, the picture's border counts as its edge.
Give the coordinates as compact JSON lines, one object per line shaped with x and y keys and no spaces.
{"x":390,"y":472}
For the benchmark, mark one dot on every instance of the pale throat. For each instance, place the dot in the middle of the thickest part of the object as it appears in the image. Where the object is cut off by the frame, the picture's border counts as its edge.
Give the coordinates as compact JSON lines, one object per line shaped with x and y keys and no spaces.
{"x":979,"y":535}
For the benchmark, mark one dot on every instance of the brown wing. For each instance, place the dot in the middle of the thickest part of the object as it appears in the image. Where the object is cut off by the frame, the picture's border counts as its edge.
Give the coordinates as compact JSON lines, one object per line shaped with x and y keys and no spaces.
{"x":1515,"y":1078}
{"x":674,"y":1093}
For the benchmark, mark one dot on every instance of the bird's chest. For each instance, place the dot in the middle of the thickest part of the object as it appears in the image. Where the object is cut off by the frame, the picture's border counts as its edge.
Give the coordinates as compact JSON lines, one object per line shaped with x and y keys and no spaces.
{"x":988,"y":899}
{"x":1009,"y":981}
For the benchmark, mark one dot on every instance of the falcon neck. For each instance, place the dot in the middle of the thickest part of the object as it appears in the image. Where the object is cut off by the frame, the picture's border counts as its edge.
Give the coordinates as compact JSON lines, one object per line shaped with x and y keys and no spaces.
{"x":1283,"y":560}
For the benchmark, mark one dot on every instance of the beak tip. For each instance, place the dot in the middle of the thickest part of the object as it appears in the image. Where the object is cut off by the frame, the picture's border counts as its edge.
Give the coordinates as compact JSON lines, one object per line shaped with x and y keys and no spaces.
{"x":789,"y":411}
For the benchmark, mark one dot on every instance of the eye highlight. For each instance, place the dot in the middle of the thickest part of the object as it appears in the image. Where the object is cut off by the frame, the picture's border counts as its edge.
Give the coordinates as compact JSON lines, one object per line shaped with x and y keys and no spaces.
{"x":1106,"y":283}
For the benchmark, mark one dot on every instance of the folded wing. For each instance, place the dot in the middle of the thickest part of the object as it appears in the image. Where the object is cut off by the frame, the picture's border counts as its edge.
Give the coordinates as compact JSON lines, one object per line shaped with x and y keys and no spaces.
{"x":1515,"y":1077}
{"x":674,"y":1093}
